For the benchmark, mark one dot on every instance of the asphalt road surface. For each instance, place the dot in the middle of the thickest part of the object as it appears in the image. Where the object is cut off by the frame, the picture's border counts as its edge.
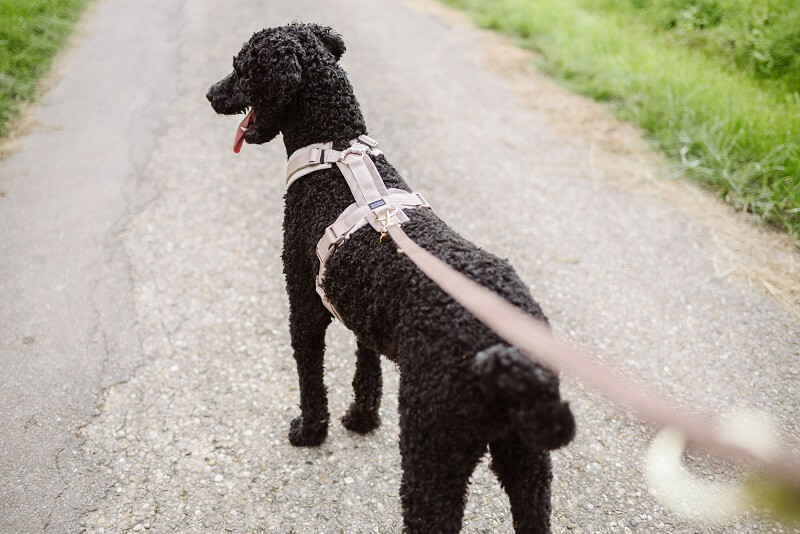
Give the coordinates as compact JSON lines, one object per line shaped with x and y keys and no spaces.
{"x":146,"y":379}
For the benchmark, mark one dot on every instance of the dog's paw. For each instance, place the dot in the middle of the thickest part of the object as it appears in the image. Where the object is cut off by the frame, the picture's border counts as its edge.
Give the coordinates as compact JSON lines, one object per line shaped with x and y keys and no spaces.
{"x":302,"y":434}
{"x":361,"y":421}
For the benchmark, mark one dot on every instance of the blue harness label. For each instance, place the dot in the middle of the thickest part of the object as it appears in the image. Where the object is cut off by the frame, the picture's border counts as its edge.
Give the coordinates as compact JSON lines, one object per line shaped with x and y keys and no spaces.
{"x":377,"y":204}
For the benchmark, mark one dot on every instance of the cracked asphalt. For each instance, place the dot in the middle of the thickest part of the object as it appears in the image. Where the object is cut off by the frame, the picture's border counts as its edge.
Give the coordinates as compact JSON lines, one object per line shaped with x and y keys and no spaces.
{"x":146,"y":379}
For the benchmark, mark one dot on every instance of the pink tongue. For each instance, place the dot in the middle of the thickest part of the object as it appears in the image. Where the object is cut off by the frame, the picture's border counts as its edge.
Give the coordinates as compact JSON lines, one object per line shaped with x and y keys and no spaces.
{"x":239,"y":139}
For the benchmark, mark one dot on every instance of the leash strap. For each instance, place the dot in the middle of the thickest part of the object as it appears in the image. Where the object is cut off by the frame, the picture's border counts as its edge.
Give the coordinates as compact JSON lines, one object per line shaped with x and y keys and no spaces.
{"x":518,"y":328}
{"x":515,"y":326}
{"x":537,"y":341}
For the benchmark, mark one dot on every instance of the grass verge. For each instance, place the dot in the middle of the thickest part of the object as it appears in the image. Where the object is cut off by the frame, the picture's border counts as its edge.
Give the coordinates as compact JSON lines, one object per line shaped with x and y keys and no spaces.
{"x":761,"y":37}
{"x":724,"y":126}
{"x":31,"y":32}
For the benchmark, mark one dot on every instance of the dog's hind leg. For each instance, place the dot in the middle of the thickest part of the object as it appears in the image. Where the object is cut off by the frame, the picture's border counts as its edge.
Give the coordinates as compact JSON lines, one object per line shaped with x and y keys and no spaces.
{"x":308,"y":320}
{"x":438,"y":457}
{"x":362,"y":416}
{"x":525,"y":474}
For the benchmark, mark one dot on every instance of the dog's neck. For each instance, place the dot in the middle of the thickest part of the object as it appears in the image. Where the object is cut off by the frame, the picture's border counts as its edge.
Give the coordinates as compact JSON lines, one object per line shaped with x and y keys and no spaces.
{"x":326,"y":110}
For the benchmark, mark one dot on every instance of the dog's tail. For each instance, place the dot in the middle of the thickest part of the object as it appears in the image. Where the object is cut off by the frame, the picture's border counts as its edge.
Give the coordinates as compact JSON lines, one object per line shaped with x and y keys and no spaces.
{"x":529,"y":394}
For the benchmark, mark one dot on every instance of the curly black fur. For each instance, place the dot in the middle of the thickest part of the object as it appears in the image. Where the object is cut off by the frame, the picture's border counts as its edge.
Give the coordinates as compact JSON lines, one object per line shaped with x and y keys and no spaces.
{"x":461,"y":388}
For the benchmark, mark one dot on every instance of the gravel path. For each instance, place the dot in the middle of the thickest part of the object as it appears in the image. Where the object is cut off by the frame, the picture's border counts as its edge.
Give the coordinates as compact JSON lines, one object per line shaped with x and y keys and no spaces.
{"x":194,"y":440}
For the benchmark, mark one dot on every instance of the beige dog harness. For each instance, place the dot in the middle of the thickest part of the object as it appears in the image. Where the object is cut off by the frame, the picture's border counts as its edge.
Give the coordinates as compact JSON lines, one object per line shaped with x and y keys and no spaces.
{"x":374,"y":203}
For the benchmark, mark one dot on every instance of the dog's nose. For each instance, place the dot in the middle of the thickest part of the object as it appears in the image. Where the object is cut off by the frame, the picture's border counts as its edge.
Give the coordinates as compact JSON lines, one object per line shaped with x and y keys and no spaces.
{"x":208,"y":95}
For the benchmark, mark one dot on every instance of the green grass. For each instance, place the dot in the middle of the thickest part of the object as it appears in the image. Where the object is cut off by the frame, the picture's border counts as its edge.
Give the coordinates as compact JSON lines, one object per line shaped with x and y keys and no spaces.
{"x":761,"y":37}
{"x":31,"y":32}
{"x":724,"y":120}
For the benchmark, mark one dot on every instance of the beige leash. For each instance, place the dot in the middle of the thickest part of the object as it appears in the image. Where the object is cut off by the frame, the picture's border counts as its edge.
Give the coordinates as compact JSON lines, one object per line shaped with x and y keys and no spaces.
{"x":383,"y":210}
{"x":536,"y":340}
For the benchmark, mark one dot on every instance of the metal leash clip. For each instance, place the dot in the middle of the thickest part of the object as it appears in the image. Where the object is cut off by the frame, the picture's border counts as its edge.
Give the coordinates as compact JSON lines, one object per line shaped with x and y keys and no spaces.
{"x":386,"y":222}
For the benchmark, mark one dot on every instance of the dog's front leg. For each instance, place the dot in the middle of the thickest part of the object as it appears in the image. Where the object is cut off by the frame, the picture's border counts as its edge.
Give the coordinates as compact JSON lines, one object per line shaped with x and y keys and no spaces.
{"x":308,"y":320}
{"x":362,"y":416}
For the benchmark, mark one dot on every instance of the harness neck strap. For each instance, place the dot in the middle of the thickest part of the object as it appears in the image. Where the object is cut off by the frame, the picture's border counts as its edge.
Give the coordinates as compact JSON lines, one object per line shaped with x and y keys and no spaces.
{"x":320,"y":156}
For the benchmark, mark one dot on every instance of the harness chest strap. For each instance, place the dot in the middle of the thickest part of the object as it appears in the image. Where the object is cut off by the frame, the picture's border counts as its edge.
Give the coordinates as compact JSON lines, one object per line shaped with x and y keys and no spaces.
{"x":374,"y":203}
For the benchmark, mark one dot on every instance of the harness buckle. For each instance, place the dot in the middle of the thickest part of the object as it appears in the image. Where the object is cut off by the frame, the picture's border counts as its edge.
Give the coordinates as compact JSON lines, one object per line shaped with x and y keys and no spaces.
{"x":367,"y":140}
{"x":422,"y":199}
{"x":358,"y":149}
{"x":334,"y":239}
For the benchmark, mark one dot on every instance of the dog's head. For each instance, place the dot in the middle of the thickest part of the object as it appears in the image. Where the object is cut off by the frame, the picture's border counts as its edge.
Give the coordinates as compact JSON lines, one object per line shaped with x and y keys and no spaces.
{"x":267,"y":74}
{"x":527,"y":395}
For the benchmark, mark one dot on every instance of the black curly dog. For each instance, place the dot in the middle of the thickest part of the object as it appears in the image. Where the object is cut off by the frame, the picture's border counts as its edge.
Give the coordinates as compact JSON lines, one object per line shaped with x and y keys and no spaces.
{"x":461,"y":388}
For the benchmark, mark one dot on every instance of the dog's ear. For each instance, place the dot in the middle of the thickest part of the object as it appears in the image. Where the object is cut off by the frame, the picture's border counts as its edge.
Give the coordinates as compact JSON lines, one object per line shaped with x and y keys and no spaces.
{"x":330,"y":38}
{"x":286,"y":72}
{"x":274,"y":71}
